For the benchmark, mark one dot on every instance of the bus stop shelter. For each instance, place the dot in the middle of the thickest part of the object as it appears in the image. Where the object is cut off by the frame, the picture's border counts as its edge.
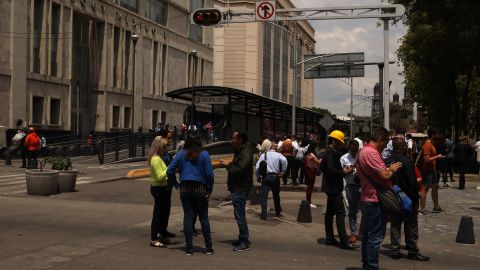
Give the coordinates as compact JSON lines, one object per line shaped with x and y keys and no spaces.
{"x":234,"y":109}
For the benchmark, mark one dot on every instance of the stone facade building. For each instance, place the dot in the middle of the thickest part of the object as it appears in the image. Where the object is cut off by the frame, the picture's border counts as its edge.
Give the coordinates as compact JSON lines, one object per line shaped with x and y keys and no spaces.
{"x":260,"y":57}
{"x":77,"y":65}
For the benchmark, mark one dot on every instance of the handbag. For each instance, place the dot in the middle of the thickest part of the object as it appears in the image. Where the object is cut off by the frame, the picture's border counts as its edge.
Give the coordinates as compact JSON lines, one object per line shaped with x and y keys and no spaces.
{"x":405,"y":201}
{"x":388,"y":199}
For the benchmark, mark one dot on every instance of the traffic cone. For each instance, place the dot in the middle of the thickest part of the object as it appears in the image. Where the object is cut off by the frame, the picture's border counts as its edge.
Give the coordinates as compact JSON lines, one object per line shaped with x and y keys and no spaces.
{"x":304,"y":214}
{"x":465,"y":234}
{"x":254,"y":196}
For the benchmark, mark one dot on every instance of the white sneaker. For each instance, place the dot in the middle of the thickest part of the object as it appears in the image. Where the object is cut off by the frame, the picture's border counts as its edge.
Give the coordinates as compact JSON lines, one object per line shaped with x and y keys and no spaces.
{"x":478,"y":188}
{"x":313,"y":205}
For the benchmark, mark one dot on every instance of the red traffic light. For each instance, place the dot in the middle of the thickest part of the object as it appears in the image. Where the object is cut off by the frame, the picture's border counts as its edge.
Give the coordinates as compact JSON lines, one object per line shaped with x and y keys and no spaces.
{"x":207,"y":17}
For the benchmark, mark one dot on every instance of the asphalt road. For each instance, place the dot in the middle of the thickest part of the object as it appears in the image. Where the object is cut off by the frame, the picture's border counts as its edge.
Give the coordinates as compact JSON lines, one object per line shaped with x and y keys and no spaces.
{"x":106,"y":226}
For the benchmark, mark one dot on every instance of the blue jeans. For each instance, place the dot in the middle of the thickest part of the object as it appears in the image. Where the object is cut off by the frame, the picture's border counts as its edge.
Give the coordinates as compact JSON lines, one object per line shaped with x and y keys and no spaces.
{"x":239,"y":200}
{"x":195,"y":202}
{"x":353,"y":197}
{"x":374,"y":227}
{"x":270,"y":182}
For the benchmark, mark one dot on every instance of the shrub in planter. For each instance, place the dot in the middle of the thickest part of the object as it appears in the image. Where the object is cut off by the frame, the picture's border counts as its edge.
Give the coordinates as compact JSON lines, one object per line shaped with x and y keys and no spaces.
{"x":42,"y":182}
{"x":67,"y":175}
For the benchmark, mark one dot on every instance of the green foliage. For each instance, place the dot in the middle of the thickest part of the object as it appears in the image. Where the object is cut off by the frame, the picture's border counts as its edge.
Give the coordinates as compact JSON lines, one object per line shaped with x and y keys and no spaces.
{"x":441,"y":58}
{"x":58,"y":163}
{"x":323,"y":111}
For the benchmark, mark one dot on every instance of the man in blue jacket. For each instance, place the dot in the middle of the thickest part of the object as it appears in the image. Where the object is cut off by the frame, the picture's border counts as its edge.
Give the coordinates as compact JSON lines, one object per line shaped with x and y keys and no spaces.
{"x":195,"y":187}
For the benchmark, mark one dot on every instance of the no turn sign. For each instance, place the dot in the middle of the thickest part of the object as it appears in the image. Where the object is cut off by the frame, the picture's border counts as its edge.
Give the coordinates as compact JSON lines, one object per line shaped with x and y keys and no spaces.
{"x":265,"y":11}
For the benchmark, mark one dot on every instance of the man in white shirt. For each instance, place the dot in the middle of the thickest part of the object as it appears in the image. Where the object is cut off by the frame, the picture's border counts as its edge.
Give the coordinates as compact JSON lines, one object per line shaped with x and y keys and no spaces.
{"x":352,"y":187}
{"x":276,"y":166}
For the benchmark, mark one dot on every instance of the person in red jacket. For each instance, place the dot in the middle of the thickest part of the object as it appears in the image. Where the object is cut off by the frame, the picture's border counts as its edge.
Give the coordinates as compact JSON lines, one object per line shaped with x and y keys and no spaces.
{"x":32,"y":145}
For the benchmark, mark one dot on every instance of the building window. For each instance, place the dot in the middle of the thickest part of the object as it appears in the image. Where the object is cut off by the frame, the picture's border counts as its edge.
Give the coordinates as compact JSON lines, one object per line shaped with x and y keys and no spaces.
{"x":129,"y":4}
{"x":128,"y":37}
{"x":155,"y":10}
{"x":37,"y":110}
{"x":37,"y":30}
{"x":276,"y":63}
{"x":267,"y":40}
{"x":55,"y":111}
{"x":127,"y":113}
{"x":154,"y":119}
{"x":164,"y":117}
{"x":116,"y":117}
{"x":155,"y":67}
{"x":299,"y":80}
{"x":285,"y":66}
{"x":53,"y":48}
{"x":196,"y":31}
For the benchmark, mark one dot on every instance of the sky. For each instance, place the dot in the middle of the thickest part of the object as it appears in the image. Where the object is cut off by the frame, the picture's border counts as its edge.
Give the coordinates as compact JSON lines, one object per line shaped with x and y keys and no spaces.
{"x":339,"y":36}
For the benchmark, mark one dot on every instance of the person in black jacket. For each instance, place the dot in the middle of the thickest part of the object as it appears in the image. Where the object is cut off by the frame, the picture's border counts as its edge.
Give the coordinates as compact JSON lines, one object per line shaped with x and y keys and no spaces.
{"x":332,"y":185}
{"x":405,"y":178}
{"x":463,"y":153}
{"x":240,"y":182}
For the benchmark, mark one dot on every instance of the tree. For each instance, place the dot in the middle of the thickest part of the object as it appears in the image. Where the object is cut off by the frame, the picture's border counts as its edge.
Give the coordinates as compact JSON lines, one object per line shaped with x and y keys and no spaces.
{"x":441,"y":58}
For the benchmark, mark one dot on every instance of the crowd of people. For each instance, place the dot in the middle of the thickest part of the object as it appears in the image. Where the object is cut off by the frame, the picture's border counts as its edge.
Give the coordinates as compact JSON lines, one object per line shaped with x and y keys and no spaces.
{"x":357,"y":174}
{"x":30,"y":145}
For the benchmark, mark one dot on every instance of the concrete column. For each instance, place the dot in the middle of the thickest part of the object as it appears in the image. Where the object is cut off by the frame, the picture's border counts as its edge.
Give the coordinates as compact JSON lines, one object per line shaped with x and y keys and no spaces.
{"x":138,"y":89}
{"x":18,"y":63}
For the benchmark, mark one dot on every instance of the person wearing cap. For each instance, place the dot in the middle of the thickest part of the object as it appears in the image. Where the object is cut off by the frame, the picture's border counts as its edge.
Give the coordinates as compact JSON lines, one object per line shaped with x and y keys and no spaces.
{"x":32,"y":145}
{"x":332,"y":185}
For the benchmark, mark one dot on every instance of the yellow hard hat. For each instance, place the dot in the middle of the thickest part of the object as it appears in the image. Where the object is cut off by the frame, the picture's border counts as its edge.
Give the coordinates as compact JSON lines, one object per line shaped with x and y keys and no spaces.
{"x":337,"y":134}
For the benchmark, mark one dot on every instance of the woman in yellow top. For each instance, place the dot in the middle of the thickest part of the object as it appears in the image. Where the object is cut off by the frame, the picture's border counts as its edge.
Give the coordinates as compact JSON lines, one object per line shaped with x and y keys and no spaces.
{"x":161,"y":192}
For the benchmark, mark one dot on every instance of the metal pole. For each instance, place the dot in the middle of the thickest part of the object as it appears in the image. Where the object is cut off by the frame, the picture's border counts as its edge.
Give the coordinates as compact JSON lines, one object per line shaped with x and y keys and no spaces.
{"x":133,"y":87}
{"x":351,"y":107}
{"x":386,"y":80}
{"x":78,"y":109}
{"x":380,"y":96}
{"x":294,"y":99}
{"x":194,"y":61}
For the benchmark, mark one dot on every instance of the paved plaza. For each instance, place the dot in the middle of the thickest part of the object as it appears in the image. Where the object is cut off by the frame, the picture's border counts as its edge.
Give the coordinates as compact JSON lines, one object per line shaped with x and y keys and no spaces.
{"x":106,"y":225}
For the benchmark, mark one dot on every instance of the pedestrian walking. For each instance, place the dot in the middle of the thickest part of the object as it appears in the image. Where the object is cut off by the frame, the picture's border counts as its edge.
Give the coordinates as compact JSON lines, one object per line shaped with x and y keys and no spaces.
{"x":463,"y":152}
{"x":371,"y":168}
{"x":275,"y":165}
{"x":32,"y":145}
{"x":300,"y":150}
{"x":195,"y":187}
{"x":19,"y":140}
{"x":240,"y":182}
{"x":352,"y":187}
{"x":311,"y":166}
{"x":449,"y":160}
{"x":428,"y":168}
{"x":439,"y":143}
{"x":405,"y":179}
{"x":288,"y":152}
{"x":161,"y":192}
{"x":332,"y":185}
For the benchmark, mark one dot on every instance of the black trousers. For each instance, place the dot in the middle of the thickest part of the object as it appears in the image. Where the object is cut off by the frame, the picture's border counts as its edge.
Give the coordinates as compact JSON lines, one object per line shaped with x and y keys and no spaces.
{"x":32,"y":159}
{"x":161,"y":211}
{"x":301,"y":166}
{"x":410,"y":227}
{"x":462,"y":168}
{"x":292,"y":164}
{"x":335,"y":207}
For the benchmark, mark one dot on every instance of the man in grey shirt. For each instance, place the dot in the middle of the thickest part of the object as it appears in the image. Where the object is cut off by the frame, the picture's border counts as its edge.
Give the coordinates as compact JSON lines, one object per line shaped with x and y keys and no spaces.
{"x":352,"y":188}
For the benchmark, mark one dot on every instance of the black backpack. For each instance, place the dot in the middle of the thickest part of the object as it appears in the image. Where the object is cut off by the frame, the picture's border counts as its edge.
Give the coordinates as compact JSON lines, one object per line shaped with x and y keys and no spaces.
{"x":262,"y":167}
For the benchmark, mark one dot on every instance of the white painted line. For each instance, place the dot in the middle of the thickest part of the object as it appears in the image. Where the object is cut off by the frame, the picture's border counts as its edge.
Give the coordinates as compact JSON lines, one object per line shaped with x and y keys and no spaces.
{"x":84,"y":178}
{"x":83,"y":182}
{"x":11,"y":175}
{"x":6,"y":184}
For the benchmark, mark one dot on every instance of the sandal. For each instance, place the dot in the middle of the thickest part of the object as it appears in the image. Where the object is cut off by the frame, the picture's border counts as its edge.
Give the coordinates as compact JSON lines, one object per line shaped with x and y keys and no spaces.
{"x":157,"y":244}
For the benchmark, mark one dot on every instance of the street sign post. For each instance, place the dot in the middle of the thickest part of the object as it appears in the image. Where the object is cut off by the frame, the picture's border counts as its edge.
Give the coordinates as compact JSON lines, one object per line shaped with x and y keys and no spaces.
{"x":326,"y":122}
{"x":265,"y":11}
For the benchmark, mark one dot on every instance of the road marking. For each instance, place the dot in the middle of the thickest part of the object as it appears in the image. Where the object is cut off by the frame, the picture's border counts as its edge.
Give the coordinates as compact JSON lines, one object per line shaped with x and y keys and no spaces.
{"x":12,"y":175}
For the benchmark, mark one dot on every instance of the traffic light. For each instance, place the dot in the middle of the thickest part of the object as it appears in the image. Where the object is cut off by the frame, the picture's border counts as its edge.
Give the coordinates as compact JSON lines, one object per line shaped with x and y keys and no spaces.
{"x":206,"y":17}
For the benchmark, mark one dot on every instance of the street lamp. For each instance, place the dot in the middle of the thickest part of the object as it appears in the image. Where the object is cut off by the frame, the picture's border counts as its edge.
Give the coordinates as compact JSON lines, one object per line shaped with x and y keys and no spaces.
{"x":134,"y":38}
{"x":193,"y":53}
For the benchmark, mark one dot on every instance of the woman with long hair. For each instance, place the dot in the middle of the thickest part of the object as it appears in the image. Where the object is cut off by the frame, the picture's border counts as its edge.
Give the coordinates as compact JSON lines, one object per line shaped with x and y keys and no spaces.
{"x":311,"y":164}
{"x":161,"y":193}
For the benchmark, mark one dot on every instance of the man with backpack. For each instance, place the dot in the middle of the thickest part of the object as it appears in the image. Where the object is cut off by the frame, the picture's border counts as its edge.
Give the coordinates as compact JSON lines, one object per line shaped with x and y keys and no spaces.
{"x":270,"y":167}
{"x":406,"y":180}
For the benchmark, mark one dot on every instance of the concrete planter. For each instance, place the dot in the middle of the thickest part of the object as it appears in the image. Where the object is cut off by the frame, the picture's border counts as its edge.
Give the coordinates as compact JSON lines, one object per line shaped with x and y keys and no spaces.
{"x":42,"y":183}
{"x":67,"y":181}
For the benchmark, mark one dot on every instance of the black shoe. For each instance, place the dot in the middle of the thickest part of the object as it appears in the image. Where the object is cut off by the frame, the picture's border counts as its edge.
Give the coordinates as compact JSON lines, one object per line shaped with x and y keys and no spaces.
{"x":349,"y":246}
{"x":241,"y":247}
{"x":418,"y":257}
{"x":238,"y":242}
{"x":279,"y":215}
{"x":332,"y":242}
{"x":189,"y":252}
{"x":396,"y":255}
{"x":263,"y":217}
{"x":209,"y":251}
{"x":168,"y":234}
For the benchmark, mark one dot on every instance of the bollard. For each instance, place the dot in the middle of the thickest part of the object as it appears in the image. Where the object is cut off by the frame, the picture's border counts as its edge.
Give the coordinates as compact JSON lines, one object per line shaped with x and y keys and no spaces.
{"x":304,"y":213}
{"x":465,"y":234}
{"x":254,"y":196}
